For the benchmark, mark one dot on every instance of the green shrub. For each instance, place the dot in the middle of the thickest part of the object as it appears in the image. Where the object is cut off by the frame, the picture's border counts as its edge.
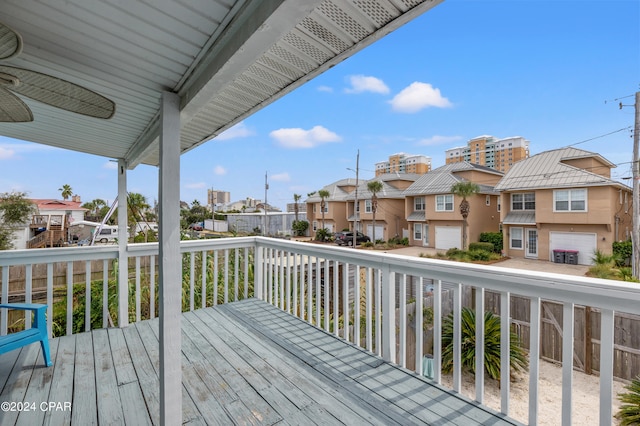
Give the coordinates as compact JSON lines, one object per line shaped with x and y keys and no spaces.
{"x":481,"y":255}
{"x":623,"y":251}
{"x":517,"y":358}
{"x":367,"y":244}
{"x":300,"y":227}
{"x":323,"y":234}
{"x":453,"y":252}
{"x":629,"y":411}
{"x":494,"y":238}
{"x":481,"y":246}
{"x":599,"y":258}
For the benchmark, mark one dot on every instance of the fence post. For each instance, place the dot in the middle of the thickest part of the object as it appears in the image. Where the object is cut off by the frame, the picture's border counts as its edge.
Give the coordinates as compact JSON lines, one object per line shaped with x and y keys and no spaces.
{"x":388,"y":314}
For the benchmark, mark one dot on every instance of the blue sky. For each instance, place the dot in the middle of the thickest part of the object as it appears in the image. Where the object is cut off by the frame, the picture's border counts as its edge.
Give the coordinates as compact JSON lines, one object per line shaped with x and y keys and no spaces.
{"x":553,"y":72}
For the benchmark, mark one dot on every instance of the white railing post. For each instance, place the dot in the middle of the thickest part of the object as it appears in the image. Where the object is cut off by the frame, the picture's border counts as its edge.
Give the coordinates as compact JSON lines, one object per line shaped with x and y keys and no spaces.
{"x":505,"y":351}
{"x":606,"y":365}
{"x":457,"y":337}
{"x":403,"y":322}
{"x":388,"y":314}
{"x":258,"y":277}
{"x":419,"y":319}
{"x":534,"y":359}
{"x":567,"y":362}
{"x":480,"y":344}
{"x":437,"y":331}
{"x":4,"y":316}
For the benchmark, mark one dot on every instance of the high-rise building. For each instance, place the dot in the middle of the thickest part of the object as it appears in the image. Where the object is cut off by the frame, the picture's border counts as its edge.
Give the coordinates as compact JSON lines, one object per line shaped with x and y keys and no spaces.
{"x":499,"y":154}
{"x":404,"y":163}
{"x":218,"y":197}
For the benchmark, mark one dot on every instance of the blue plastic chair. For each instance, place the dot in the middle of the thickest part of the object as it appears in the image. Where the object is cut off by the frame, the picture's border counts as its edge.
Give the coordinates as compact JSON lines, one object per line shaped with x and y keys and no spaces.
{"x":37,"y":332}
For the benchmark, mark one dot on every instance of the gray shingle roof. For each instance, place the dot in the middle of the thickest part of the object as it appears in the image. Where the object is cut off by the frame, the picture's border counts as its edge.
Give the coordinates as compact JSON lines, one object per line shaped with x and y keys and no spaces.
{"x":440,"y":180}
{"x":388,"y":191}
{"x":546,"y":170}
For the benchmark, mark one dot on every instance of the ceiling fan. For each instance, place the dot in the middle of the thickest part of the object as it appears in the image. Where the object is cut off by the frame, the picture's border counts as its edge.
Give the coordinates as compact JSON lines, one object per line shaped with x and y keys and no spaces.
{"x":44,"y":88}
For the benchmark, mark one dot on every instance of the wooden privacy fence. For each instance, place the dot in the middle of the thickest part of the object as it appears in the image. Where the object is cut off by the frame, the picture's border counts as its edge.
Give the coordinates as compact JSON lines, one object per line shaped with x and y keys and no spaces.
{"x":586,"y":346}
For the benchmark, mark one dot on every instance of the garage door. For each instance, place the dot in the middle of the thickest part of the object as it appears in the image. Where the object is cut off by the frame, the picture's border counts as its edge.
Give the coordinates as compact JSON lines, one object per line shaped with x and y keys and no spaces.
{"x":583,"y":242}
{"x":448,"y":237}
{"x":379,"y":232}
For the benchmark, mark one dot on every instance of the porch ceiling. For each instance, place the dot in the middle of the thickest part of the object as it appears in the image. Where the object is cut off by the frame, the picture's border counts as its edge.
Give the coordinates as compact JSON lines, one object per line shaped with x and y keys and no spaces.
{"x":225,"y":58}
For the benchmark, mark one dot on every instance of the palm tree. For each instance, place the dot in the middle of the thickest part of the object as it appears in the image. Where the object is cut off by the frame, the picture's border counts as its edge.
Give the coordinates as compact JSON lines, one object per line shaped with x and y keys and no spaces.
{"x":374,"y":187}
{"x":66,"y":191}
{"x":464,"y":189}
{"x":296,"y":199}
{"x":323,"y":193}
{"x":137,"y":204}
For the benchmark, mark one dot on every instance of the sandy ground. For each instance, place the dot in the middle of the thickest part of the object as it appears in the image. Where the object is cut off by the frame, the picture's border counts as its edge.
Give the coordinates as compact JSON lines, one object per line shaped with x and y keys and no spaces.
{"x":586,"y":391}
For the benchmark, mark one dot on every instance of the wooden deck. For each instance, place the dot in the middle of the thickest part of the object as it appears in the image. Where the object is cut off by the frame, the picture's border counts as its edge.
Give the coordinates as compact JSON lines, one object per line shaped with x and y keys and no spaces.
{"x":243,"y":363}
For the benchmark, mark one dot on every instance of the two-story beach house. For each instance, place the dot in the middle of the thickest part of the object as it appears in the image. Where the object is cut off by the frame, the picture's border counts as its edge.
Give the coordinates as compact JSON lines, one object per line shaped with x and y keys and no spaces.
{"x":433,"y":213}
{"x":563,"y":201}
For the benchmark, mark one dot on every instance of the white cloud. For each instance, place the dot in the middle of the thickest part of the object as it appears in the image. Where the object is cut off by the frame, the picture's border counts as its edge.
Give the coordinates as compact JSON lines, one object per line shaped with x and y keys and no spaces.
{"x":280,"y":177}
{"x":363,"y":83}
{"x":418,"y":96}
{"x":110,"y":165}
{"x":438,"y":140}
{"x":219,"y":171}
{"x":300,"y":138}
{"x":325,"y":89}
{"x":6,"y":153}
{"x":240,"y":130}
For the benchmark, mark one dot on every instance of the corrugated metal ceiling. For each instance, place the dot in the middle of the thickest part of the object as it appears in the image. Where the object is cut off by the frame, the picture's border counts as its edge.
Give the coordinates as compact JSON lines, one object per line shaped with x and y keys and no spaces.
{"x":225,"y":58}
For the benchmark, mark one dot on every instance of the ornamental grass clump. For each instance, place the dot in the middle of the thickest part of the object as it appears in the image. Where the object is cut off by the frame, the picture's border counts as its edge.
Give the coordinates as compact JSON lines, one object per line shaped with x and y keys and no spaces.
{"x":518,"y":358}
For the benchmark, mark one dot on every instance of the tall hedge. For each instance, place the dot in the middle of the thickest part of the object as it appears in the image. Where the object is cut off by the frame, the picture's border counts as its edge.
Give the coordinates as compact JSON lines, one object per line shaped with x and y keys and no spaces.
{"x":494,"y":238}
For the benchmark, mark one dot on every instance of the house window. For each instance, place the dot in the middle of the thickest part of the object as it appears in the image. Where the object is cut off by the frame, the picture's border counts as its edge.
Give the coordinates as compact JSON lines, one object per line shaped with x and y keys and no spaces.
{"x":367,"y":206}
{"x":357,"y":207}
{"x":417,"y":231}
{"x":315,"y":226}
{"x":526,"y":201}
{"x":418,"y":204}
{"x":516,"y":238}
{"x":444,"y":203}
{"x":487,"y":200}
{"x":499,"y":202}
{"x":425,"y":234}
{"x":570,"y":200}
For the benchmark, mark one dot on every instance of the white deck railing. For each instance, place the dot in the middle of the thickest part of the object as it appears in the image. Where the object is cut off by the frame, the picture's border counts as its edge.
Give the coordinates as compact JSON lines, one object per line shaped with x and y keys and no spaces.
{"x":359,"y":295}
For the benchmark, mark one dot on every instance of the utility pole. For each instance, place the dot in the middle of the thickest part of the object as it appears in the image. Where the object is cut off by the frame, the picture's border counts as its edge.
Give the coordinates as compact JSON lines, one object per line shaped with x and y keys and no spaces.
{"x":635,"y":234}
{"x":355,"y":205}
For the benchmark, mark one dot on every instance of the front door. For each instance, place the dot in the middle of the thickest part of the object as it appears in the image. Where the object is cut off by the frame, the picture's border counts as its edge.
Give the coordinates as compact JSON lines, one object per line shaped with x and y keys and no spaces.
{"x":531,"y":249}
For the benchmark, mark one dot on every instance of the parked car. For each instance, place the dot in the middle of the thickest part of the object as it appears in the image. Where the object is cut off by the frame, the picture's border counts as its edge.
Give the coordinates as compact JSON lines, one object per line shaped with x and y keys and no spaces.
{"x":346,"y":238}
{"x":196,"y":226}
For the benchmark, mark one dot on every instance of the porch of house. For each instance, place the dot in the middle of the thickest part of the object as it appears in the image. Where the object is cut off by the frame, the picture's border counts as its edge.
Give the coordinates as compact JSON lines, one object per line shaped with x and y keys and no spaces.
{"x":245,"y":362}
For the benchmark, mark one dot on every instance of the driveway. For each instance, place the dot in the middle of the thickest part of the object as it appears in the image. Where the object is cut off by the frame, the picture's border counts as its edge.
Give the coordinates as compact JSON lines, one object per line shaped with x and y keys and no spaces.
{"x":515,"y":263}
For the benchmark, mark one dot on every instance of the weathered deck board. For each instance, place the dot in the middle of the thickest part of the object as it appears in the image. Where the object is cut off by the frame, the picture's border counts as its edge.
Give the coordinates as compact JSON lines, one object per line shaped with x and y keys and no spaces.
{"x":243,"y":363}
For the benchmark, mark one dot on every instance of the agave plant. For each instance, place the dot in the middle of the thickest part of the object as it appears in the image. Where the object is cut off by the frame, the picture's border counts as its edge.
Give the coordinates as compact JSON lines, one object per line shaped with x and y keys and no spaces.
{"x":629,"y":412}
{"x":517,"y":355}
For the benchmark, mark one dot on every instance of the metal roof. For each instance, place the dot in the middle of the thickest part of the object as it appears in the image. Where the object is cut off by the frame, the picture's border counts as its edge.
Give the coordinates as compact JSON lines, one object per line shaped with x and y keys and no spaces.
{"x":440,"y":180}
{"x":547,"y":170}
{"x":520,"y":218}
{"x":336,"y":191}
{"x":226,"y":59}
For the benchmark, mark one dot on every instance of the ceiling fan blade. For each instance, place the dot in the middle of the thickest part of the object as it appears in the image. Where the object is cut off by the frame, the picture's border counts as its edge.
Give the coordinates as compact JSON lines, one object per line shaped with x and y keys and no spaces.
{"x":59,"y":93}
{"x":12,"y":109}
{"x":10,"y":42}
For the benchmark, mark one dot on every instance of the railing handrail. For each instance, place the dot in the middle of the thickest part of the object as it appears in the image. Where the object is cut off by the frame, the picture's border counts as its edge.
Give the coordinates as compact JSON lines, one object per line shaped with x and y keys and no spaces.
{"x":596,"y":292}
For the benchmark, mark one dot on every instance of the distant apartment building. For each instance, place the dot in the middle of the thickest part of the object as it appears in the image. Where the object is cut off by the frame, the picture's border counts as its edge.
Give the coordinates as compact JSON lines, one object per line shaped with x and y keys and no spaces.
{"x":499,"y":154}
{"x":404,"y":163}
{"x":218,"y":197}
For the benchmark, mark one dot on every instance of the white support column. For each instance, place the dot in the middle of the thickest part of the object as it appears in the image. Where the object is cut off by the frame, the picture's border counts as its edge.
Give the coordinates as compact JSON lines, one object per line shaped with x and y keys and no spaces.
{"x":388,"y":314}
{"x":170,"y":263}
{"x":123,"y":270}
